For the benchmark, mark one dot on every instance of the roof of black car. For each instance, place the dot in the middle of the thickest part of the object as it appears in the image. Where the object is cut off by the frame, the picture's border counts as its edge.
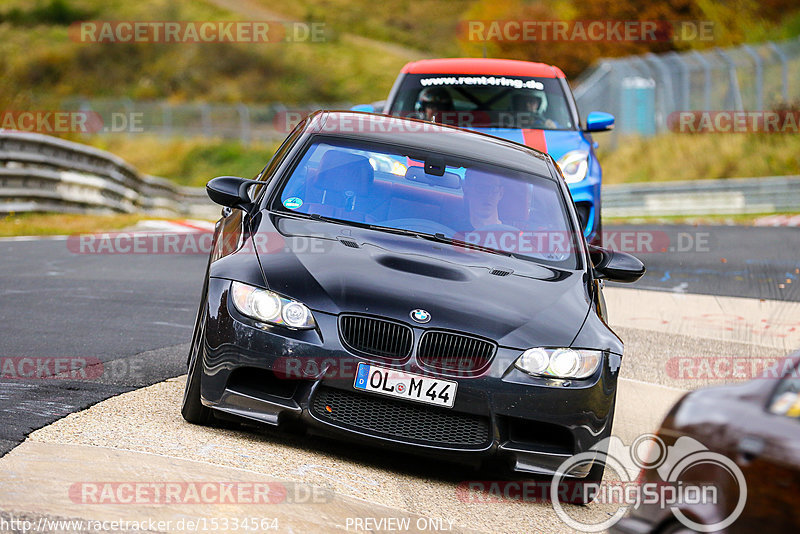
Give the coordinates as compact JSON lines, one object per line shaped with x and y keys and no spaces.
{"x":427,"y":136}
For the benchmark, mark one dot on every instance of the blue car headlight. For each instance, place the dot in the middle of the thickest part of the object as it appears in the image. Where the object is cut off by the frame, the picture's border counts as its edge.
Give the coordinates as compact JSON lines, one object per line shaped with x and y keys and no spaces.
{"x":560,"y":363}
{"x":574,"y":165}
{"x":268,"y":307}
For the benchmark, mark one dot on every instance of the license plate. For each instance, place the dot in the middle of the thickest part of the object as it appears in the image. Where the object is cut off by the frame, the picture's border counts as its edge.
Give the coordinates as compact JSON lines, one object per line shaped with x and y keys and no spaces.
{"x":403,"y":385}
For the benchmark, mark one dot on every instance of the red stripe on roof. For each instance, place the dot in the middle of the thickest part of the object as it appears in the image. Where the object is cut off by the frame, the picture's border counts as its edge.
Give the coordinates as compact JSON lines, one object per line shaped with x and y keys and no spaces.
{"x":498,"y":67}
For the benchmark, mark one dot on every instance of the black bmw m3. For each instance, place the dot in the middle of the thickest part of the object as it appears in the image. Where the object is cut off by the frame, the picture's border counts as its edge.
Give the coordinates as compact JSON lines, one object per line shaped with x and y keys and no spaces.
{"x":411,"y":286}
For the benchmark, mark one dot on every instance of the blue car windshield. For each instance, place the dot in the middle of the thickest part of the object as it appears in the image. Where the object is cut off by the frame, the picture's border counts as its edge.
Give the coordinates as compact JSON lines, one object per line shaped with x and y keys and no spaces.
{"x":484,"y":101}
{"x":474,"y":205}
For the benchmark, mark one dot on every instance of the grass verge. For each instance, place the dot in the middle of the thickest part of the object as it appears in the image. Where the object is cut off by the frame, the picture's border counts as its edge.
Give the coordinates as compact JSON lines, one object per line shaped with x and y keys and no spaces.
{"x":191,"y":162}
{"x":42,"y":224}
{"x":674,"y":156}
{"x":748,"y":219}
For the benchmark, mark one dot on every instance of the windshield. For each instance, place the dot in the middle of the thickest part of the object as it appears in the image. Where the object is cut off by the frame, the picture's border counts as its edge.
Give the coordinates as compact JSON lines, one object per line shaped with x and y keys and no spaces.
{"x":475,"y":206}
{"x":484,"y":101}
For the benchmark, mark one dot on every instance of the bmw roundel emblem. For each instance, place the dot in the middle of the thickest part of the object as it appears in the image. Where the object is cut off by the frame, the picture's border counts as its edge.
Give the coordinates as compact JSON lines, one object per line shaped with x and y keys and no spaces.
{"x":420,"y":316}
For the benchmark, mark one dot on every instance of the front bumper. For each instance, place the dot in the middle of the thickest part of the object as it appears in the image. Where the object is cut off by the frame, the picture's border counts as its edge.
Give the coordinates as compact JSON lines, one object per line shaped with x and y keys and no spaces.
{"x":275,"y":375}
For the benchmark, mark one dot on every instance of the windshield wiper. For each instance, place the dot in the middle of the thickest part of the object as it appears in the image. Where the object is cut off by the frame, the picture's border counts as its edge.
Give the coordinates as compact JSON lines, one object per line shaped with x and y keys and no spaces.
{"x":334,"y":220}
{"x":368,"y":226}
{"x":441,"y":238}
{"x":438,"y":237}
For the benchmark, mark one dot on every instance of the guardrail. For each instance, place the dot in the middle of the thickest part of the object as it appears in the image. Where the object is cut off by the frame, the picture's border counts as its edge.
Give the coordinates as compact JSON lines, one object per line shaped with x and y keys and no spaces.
{"x":731,"y":196}
{"x":42,"y":173}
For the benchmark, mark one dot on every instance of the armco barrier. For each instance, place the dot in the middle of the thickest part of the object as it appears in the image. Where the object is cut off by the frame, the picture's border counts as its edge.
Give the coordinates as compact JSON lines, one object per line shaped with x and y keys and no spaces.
{"x":42,"y":173}
{"x":731,"y":196}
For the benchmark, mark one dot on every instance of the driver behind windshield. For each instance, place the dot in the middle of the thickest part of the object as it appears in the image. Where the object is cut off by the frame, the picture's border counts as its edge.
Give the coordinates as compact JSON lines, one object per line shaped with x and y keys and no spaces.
{"x":482,"y":194}
{"x":530,"y":114}
{"x":432,"y":103}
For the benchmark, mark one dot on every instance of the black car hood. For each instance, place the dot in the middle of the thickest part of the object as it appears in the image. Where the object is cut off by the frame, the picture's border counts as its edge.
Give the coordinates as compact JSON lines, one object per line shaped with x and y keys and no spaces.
{"x":334,"y":268}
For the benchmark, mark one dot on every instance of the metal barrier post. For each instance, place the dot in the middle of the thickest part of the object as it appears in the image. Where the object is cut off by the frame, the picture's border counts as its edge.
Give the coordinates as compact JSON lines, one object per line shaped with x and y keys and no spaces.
{"x":759,"y":76}
{"x":733,"y":79}
{"x":784,"y":69}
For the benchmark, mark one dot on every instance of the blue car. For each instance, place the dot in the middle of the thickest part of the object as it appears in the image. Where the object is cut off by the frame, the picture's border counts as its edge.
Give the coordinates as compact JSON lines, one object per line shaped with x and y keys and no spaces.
{"x":529,"y":103}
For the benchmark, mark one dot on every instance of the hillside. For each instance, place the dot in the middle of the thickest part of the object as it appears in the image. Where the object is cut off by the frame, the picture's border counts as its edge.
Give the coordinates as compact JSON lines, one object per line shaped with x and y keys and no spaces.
{"x":365,"y":43}
{"x":41,"y":65}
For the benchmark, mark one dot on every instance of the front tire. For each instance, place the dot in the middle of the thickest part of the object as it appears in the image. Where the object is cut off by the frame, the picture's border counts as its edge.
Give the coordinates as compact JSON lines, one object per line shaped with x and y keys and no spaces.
{"x":595,"y":476}
{"x":192,"y":408}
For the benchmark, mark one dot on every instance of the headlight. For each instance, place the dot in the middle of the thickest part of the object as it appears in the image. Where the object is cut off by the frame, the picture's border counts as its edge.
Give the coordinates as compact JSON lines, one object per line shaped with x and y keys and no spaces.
{"x":268,"y":307}
{"x":574,"y":165}
{"x":560,"y":363}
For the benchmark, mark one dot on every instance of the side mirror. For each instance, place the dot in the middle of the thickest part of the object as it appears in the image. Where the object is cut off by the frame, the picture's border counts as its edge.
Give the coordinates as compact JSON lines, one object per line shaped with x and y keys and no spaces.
{"x":230,"y":191}
{"x":615,"y":266}
{"x":599,"y":121}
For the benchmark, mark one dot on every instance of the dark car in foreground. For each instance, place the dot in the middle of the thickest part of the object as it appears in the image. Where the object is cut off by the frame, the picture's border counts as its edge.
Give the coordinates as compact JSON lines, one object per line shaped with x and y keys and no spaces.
{"x":452,"y":309}
{"x":756,"y":426}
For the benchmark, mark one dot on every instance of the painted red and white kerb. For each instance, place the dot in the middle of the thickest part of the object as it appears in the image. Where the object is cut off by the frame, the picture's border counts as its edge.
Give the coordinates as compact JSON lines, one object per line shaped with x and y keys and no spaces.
{"x":199,"y":492}
{"x":634,"y":31}
{"x":778,"y":122}
{"x":209,"y":31}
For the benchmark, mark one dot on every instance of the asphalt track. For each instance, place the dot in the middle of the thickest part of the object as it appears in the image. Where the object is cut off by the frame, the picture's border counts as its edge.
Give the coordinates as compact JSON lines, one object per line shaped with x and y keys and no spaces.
{"x":130,"y":311}
{"x":125,"y":311}
{"x":739,"y":261}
